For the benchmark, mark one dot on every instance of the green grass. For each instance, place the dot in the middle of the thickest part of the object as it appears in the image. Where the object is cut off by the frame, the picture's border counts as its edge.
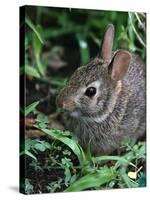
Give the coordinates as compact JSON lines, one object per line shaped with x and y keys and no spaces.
{"x":88,"y":172}
{"x":129,"y":33}
{"x":81,"y":170}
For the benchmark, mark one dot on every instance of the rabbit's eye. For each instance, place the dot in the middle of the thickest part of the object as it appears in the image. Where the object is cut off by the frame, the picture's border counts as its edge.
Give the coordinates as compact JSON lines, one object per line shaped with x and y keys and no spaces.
{"x":90,"y":92}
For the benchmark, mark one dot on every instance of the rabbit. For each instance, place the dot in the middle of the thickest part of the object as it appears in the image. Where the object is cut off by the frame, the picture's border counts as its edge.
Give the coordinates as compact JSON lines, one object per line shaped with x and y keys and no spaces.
{"x":104,"y":101}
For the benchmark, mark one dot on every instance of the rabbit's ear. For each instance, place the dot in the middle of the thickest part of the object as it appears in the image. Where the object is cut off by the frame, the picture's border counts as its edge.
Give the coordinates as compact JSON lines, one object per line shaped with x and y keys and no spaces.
{"x":107,"y":44}
{"x":119,"y":64}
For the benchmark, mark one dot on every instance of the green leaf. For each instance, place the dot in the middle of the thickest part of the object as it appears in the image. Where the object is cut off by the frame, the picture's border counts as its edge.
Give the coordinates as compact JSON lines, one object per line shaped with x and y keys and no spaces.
{"x":67,"y":175}
{"x":28,"y":153}
{"x":58,"y":81}
{"x":42,"y":125}
{"x":36,"y":42}
{"x":31,"y":25}
{"x":117,"y":158}
{"x":47,"y":145}
{"x":28,"y":187}
{"x":40,"y":66}
{"x":37,"y":50}
{"x":84,"y":50}
{"x":42,"y":118}
{"x":29,"y":143}
{"x":31,"y":107}
{"x":27,"y":69}
{"x":40,"y":147}
{"x":73,"y":178}
{"x":73,"y":145}
{"x":95,"y":179}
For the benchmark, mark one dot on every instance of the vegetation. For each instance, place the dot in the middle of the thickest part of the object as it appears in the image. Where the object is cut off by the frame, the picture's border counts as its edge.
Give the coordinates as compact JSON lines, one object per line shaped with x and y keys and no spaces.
{"x":57,"y":41}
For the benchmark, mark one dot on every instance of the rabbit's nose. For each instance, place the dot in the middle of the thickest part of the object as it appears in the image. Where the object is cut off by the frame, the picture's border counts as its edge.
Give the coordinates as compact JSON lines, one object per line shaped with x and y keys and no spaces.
{"x":65,"y":107}
{"x":68,"y":105}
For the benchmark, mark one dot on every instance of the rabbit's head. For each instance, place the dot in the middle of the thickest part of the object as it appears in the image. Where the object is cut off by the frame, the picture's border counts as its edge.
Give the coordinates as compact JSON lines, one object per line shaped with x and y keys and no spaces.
{"x":90,"y":88}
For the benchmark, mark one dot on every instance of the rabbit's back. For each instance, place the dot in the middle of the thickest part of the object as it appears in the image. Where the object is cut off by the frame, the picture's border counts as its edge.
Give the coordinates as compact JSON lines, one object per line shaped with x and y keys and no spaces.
{"x":134,"y":117}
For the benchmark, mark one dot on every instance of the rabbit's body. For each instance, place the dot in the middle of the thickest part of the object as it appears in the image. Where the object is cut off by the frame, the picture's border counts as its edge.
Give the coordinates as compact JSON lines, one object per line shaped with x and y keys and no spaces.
{"x":116,"y":111}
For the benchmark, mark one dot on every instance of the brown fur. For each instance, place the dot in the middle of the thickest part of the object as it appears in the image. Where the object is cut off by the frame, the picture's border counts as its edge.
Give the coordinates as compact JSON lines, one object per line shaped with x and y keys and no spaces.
{"x":116,"y":113}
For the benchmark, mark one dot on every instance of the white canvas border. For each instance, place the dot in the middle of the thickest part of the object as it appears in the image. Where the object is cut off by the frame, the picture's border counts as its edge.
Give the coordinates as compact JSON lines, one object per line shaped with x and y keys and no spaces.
{"x":9,"y":98}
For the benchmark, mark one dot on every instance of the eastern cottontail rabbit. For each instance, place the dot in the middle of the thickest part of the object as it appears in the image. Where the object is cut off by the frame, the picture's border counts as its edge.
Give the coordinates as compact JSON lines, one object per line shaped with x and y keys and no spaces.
{"x":105,"y":99}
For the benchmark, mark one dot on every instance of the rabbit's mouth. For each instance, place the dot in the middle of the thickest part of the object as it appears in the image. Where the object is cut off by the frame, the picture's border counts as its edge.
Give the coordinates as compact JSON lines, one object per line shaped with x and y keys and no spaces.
{"x":75,"y":114}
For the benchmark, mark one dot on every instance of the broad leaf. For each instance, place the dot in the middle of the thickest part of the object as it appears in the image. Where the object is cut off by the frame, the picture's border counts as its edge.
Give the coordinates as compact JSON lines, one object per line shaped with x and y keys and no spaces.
{"x":95,"y":179}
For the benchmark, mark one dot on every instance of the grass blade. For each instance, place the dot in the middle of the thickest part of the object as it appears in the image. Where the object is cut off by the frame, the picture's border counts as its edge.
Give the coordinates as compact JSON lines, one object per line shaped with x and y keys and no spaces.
{"x":95,"y":179}
{"x":31,"y":25}
{"x":27,"y":69}
{"x":31,"y":107}
{"x":26,"y":152}
{"x":84,"y":50}
{"x":37,"y":50}
{"x":117,"y":158}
